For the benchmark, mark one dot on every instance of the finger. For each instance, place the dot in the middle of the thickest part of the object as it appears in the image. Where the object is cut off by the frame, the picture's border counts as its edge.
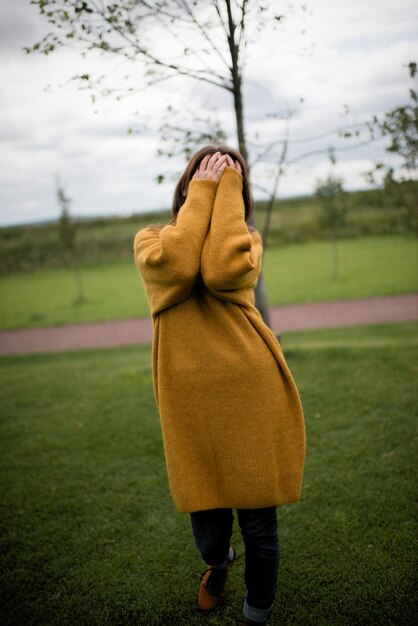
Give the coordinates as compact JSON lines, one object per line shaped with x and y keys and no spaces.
{"x":238,"y":166}
{"x":219,"y":162}
{"x":203,"y":163}
{"x":230,"y":161}
{"x":213,"y":158}
{"x":220,"y":171}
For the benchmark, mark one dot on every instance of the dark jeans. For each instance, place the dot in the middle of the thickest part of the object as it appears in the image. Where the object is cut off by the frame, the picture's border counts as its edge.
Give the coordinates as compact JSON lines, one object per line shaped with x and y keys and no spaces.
{"x":212,"y":531}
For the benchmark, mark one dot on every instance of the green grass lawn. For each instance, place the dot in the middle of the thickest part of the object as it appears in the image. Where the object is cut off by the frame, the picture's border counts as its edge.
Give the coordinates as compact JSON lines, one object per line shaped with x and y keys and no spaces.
{"x":90,"y":535}
{"x":292,"y":273}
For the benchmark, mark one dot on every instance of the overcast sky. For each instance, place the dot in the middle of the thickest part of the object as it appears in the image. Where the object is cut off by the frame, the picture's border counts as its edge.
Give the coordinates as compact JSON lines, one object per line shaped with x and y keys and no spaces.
{"x":353,"y":53}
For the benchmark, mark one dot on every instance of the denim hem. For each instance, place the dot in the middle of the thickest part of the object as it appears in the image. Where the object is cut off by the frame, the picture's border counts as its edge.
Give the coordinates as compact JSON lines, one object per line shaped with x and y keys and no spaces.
{"x":257,"y":615}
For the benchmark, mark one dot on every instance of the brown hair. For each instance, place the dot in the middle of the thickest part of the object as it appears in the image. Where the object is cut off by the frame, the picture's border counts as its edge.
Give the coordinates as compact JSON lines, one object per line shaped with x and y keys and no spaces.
{"x":181,"y":189}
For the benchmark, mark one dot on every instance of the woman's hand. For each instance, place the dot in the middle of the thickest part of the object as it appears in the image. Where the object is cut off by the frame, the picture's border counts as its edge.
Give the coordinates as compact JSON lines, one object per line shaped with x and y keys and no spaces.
{"x":235,"y":164}
{"x":211,"y":167}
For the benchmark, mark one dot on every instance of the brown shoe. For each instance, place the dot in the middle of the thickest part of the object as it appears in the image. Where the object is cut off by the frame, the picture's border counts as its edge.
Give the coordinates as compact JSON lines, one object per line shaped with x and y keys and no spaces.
{"x":212,"y":587}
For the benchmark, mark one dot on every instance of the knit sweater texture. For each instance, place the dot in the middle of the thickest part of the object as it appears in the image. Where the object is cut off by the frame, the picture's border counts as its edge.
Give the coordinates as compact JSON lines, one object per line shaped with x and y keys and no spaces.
{"x":231,"y":415}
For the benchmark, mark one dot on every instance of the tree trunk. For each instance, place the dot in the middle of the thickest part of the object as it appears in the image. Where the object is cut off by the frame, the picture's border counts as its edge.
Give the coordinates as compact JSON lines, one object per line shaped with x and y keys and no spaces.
{"x":81,"y":297}
{"x":335,"y":257}
{"x":261,"y":300}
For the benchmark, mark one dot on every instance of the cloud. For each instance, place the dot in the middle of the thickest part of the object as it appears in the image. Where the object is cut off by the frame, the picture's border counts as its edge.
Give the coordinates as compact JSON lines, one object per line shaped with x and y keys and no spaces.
{"x":20,"y":25}
{"x":354,"y":56}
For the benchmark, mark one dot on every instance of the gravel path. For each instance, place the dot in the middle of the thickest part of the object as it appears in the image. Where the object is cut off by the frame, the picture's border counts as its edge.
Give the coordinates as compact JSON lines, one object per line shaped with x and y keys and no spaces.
{"x":136,"y":331}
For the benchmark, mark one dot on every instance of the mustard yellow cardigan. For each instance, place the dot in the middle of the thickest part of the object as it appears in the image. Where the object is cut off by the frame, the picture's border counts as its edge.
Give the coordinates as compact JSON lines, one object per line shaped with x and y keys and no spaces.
{"x":231,"y":415}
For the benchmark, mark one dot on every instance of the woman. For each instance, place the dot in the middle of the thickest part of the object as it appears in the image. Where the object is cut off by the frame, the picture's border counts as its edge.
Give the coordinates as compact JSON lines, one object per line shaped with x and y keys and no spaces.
{"x":231,"y":415}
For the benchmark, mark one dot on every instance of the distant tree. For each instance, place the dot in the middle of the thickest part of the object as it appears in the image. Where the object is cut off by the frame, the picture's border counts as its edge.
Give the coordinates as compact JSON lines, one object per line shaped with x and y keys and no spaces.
{"x":67,"y":231}
{"x":400,"y":127}
{"x":331,"y":195}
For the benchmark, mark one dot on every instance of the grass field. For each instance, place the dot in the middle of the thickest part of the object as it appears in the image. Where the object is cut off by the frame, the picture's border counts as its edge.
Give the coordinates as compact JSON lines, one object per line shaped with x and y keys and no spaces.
{"x":292,"y":273}
{"x":89,"y":532}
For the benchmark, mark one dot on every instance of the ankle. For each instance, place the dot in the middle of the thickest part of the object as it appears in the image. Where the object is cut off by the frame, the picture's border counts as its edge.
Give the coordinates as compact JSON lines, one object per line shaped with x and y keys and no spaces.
{"x":227,"y":561}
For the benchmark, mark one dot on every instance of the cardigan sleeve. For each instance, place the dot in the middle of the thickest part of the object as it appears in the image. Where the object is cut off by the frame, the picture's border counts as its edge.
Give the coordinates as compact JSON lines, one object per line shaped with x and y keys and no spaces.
{"x":231,"y":255}
{"x":168,"y":258}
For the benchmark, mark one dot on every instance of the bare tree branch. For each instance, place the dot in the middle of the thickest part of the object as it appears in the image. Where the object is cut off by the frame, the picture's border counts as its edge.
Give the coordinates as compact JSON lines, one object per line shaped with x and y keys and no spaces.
{"x":193,"y":73}
{"x":204,"y":32}
{"x":224,"y":27}
{"x":307,"y":155}
{"x":275,"y":186}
